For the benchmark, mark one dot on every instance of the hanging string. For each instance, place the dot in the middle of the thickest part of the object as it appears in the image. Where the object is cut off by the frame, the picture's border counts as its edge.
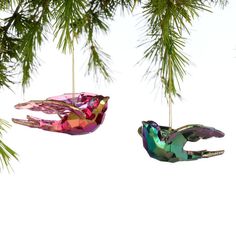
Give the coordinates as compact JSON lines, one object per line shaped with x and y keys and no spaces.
{"x":170,"y":85}
{"x":170,"y":111}
{"x":73,"y":72}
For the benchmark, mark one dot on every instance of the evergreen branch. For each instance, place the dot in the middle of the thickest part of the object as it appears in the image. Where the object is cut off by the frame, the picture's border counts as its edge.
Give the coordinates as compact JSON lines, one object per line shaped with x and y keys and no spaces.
{"x":4,"y":80}
{"x":166,"y":22}
{"x":98,"y":61}
{"x":36,"y":19}
{"x":8,"y":57}
{"x":22,"y":33}
{"x":223,"y":3}
{"x":68,"y":15}
{"x":12,"y":18}
{"x":85,"y":21}
{"x":6,"y":153}
{"x":5,"y":4}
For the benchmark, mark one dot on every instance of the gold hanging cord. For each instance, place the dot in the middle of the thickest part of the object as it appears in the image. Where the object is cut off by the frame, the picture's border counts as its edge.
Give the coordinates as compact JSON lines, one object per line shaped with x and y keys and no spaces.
{"x":73,"y":72}
{"x":170,"y":111}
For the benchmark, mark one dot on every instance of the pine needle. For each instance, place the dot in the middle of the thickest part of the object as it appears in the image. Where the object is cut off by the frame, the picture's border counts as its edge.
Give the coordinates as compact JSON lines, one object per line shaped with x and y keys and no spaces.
{"x":6,"y":153}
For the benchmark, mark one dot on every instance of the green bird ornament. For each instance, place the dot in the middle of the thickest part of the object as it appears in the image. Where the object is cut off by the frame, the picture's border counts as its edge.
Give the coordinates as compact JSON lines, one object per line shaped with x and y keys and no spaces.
{"x":166,"y":144}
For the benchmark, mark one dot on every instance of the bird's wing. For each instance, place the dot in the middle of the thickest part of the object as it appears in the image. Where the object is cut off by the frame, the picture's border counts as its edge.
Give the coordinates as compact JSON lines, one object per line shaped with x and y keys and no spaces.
{"x":51,"y":107}
{"x":165,"y":132}
{"x":66,"y":97}
{"x":195,"y":132}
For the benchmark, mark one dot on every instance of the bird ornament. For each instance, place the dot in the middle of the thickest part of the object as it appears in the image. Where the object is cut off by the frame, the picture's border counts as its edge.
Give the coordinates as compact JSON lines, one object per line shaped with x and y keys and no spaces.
{"x":79,"y":113}
{"x":165,"y":144}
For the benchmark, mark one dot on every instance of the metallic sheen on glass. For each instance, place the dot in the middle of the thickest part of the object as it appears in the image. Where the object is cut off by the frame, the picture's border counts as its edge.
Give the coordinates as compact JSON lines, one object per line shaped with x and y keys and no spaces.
{"x":79,"y":113}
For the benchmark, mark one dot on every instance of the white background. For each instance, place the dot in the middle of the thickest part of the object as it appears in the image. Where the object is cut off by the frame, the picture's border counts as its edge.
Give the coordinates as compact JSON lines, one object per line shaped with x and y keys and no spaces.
{"x":105,"y":183}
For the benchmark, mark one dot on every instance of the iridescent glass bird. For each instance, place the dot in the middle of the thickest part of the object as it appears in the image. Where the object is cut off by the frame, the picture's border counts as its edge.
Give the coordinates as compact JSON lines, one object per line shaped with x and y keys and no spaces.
{"x":79,"y":113}
{"x":166,"y":144}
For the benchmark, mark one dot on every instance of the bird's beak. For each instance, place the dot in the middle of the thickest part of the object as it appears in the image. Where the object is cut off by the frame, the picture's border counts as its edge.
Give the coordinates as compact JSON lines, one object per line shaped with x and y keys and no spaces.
{"x":140,"y":131}
{"x":105,"y":99}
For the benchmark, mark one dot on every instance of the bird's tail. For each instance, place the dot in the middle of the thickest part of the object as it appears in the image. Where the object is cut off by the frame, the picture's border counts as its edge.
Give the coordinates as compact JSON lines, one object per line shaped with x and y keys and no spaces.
{"x":203,"y":154}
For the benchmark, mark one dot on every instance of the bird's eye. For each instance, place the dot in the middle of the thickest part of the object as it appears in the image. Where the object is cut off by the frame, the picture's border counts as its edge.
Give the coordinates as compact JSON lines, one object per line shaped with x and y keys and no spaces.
{"x":153,"y":124}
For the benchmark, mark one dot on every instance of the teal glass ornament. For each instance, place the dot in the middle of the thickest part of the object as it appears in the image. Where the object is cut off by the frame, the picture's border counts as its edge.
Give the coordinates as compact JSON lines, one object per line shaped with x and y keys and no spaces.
{"x":165,"y":144}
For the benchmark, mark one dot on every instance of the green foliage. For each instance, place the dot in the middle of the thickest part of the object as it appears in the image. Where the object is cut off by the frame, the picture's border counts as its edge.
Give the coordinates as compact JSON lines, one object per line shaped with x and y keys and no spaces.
{"x":28,"y":22}
{"x":166,"y":23}
{"x":6,"y":153}
{"x":5,"y":4}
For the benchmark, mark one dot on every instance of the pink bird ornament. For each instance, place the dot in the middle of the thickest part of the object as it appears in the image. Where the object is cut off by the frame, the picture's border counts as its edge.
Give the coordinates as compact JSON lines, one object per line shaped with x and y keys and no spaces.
{"x":79,"y":113}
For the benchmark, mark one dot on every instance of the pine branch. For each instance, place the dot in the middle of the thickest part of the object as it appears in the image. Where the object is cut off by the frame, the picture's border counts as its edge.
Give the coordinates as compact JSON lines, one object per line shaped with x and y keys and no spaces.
{"x":95,"y":21}
{"x":98,"y":61}
{"x":34,"y":22}
{"x":85,"y":22}
{"x":22,"y":33}
{"x":68,"y":17}
{"x":5,"y":4}
{"x":222,"y":3}
{"x":166,"y":22}
{"x":6,"y":153}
